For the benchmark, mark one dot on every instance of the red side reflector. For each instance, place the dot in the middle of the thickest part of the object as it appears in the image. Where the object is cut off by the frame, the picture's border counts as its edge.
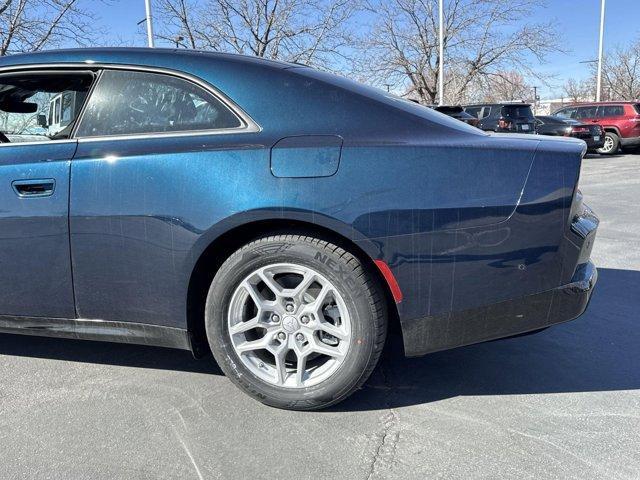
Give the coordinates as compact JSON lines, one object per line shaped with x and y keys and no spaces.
{"x":391,"y":280}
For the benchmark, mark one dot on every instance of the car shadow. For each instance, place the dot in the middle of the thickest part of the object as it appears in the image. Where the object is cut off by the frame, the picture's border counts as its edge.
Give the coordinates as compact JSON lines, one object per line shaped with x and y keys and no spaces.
{"x":119,"y":354}
{"x":598,"y":352}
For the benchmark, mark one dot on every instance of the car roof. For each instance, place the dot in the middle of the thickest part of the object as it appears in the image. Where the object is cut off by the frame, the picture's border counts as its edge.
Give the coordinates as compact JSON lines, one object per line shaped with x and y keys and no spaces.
{"x":595,"y":104}
{"x":502,"y":104}
{"x":134,"y":55}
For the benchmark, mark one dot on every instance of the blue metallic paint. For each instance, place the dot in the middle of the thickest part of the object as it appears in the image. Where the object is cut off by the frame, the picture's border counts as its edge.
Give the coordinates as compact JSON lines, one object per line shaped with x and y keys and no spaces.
{"x":35,"y":270}
{"x":463,"y":219}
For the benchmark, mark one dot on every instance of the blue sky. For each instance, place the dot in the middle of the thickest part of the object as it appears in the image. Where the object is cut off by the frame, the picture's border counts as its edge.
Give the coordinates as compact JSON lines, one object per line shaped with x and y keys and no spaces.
{"x":577,"y":21}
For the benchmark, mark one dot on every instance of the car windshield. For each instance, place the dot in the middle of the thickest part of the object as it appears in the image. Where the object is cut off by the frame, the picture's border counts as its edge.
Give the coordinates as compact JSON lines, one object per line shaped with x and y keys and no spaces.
{"x":517,"y":111}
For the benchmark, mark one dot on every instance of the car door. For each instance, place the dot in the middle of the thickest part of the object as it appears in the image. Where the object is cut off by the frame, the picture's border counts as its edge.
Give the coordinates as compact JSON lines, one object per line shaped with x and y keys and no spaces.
{"x":610,"y":115}
{"x":35,"y":264}
{"x":157,"y":156}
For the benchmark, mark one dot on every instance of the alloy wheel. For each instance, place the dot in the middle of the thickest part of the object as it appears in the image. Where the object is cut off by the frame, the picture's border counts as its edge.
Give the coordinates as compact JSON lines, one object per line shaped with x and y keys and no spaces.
{"x":289,"y":325}
{"x":608,"y":144}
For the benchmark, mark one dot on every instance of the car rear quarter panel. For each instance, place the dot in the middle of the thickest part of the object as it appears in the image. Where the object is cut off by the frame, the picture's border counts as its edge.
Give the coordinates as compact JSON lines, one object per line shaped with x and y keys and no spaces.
{"x":455,"y":223}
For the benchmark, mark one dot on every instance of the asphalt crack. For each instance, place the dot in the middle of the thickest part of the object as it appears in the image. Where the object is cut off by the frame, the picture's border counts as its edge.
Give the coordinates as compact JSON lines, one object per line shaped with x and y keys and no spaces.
{"x":386,"y":448}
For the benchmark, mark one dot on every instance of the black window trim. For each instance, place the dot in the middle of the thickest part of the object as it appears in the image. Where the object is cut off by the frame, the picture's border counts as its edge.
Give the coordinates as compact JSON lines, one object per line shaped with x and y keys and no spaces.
{"x":248,"y":125}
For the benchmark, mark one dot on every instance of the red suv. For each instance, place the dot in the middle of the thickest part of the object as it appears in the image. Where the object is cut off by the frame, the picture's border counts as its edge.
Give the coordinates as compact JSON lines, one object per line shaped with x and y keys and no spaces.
{"x":619,"y":120}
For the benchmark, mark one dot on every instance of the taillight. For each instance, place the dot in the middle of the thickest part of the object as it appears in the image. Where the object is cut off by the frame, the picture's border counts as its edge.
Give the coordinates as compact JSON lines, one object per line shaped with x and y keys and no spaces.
{"x":504,"y":124}
{"x":636,"y":118}
{"x":580,"y":129}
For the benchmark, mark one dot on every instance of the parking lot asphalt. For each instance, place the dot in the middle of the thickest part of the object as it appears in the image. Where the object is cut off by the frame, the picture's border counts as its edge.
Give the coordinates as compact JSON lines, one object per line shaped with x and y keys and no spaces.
{"x":564,"y":403}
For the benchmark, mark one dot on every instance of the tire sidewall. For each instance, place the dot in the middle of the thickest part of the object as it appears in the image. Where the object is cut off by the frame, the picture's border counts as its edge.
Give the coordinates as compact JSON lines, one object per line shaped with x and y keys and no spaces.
{"x":335,"y":269}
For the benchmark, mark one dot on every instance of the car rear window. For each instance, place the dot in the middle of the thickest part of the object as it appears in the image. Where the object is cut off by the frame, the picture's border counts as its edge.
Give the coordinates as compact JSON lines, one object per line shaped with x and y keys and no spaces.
{"x":517,"y":111}
{"x":637,"y":107}
{"x":553,"y":120}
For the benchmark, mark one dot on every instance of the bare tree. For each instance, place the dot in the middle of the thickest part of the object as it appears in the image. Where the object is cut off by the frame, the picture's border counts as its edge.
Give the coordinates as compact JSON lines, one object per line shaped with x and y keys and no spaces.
{"x":621,"y":72}
{"x":502,"y":86}
{"x":579,"y":91}
{"x":305,"y":31}
{"x":32,"y":25}
{"x":481,"y":39}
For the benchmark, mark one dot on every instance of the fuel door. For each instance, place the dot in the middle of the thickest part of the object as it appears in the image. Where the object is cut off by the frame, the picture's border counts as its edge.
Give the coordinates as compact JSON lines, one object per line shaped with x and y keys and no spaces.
{"x":306,"y":156}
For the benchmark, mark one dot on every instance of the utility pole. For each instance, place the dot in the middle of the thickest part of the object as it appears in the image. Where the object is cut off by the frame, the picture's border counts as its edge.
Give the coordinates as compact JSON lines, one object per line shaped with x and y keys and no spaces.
{"x":599,"y":79}
{"x":147,"y":6}
{"x":441,"y":51}
{"x":535,"y":99}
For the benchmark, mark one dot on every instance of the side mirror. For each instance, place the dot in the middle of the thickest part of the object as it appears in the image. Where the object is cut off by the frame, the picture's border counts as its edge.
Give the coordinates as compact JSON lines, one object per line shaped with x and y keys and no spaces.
{"x":42,"y":121}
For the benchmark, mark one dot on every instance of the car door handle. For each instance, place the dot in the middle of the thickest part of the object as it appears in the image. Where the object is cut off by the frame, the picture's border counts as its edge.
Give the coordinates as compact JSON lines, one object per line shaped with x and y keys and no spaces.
{"x":34,"y":188}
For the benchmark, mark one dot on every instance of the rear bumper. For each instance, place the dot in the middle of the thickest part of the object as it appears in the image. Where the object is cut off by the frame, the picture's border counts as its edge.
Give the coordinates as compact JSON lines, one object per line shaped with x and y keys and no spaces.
{"x":504,"y":319}
{"x":593,"y":145}
{"x":630,"y":141}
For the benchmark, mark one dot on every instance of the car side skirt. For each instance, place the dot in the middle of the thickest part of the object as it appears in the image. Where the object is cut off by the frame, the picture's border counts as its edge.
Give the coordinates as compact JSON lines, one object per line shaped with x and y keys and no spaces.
{"x":500,"y":320}
{"x":99,"y":330}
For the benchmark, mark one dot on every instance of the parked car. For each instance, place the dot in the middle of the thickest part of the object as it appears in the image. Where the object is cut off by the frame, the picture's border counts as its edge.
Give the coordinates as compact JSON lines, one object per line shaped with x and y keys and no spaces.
{"x":503,"y":117}
{"x":457,"y":112}
{"x":280,"y":216}
{"x":593,"y":135}
{"x":619,"y":120}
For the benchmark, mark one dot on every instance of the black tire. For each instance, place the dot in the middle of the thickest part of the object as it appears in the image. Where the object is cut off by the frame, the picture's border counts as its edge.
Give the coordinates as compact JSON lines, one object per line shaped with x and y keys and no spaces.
{"x":613,"y":149}
{"x":361,"y":293}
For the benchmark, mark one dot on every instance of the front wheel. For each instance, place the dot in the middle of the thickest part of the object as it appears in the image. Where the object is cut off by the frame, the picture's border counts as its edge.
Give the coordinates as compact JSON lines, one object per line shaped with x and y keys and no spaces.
{"x":611,"y":144}
{"x":295,"y":322}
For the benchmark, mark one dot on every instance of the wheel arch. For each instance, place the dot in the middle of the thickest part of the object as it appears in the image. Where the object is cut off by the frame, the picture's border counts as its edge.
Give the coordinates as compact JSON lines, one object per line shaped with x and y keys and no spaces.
{"x":611,"y":129}
{"x":222,"y":245}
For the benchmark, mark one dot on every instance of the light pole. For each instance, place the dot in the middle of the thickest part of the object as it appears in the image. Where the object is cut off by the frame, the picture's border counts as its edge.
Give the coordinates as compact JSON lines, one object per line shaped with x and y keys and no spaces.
{"x":441,"y":51}
{"x":599,"y":79}
{"x":147,"y":6}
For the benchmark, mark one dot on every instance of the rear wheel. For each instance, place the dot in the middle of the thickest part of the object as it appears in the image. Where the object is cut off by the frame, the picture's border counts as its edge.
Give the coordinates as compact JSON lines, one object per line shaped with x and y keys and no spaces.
{"x":611,"y":144}
{"x":295,"y":322}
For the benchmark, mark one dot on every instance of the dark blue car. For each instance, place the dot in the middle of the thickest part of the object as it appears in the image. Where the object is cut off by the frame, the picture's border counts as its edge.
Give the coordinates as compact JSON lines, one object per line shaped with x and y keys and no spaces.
{"x":279,"y":216}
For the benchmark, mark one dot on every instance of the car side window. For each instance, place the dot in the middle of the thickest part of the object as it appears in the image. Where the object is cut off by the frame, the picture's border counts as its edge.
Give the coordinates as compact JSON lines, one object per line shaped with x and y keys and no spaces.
{"x":611,"y":111}
{"x":130,"y":102}
{"x":41,"y":105}
{"x":586,"y":112}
